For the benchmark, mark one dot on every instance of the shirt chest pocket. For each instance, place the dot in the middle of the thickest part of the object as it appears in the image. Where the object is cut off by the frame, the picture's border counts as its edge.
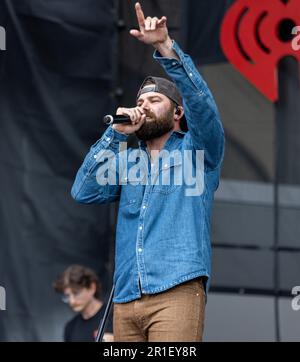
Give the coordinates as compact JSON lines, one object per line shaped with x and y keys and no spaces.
{"x":170,"y":177}
{"x":131,"y":197}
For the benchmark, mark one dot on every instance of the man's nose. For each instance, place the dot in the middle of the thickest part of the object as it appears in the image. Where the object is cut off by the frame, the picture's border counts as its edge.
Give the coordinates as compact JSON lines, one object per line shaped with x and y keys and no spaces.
{"x":145,"y":106}
{"x":71,"y":299}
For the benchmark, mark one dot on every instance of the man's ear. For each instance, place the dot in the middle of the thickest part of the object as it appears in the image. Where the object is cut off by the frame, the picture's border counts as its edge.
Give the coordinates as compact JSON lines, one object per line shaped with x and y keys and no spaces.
{"x":93,"y":287}
{"x":179,"y":113}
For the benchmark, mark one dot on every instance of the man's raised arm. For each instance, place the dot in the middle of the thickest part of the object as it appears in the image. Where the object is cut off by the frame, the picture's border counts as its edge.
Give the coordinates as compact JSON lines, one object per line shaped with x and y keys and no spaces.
{"x":205,"y":128}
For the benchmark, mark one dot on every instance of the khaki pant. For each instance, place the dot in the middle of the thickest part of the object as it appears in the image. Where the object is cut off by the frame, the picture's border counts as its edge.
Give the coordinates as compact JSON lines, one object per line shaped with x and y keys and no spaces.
{"x":176,"y":315}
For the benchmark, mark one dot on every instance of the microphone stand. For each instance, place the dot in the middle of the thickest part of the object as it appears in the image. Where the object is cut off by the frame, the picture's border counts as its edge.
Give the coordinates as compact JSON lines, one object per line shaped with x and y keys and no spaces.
{"x":103,"y":322}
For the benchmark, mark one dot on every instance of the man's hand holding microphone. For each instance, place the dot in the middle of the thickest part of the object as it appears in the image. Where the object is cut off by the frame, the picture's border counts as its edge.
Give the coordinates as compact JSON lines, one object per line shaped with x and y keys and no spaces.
{"x":137,"y":119}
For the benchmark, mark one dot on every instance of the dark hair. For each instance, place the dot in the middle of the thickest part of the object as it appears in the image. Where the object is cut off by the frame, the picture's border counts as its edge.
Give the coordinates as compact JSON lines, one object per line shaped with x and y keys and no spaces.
{"x":77,"y":276}
{"x":148,"y":82}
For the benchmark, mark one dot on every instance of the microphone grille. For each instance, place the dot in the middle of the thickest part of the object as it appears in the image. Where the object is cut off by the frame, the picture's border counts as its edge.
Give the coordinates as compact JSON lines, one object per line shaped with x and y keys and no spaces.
{"x":108,"y":119}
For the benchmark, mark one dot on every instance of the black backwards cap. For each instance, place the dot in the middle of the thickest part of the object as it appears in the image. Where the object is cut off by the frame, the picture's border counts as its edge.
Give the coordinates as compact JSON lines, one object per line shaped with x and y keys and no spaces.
{"x":163,"y":86}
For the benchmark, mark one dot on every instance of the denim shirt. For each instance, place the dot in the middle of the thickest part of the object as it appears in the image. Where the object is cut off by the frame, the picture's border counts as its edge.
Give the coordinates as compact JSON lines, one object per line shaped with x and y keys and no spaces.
{"x":163,"y":234}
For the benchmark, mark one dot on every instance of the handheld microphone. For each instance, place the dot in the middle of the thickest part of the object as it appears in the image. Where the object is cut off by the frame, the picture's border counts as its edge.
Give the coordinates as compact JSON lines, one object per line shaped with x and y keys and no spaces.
{"x":116,"y":119}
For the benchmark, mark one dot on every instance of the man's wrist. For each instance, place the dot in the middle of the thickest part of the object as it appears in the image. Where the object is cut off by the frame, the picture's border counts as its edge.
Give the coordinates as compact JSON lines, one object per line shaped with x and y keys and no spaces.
{"x":164,"y":46}
{"x":166,"y":49}
{"x":114,"y":128}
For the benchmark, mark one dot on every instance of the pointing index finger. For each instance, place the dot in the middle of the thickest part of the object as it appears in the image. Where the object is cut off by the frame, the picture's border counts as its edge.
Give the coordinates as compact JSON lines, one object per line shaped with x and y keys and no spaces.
{"x":140,"y":15}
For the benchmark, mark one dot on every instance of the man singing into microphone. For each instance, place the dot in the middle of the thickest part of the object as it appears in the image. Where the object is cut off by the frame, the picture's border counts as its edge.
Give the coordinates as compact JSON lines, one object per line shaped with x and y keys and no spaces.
{"x":163,"y":251}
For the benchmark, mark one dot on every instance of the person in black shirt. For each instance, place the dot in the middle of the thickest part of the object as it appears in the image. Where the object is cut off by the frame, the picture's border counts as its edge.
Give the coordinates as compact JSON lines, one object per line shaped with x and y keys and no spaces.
{"x":81,"y":289}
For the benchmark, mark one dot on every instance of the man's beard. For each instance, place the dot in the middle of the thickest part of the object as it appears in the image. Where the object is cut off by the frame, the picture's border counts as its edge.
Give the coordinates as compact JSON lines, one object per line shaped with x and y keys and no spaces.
{"x":157,"y":127}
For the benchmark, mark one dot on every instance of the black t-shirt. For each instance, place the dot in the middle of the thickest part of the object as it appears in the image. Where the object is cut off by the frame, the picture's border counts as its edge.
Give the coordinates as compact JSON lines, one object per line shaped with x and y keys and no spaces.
{"x":85,"y":330}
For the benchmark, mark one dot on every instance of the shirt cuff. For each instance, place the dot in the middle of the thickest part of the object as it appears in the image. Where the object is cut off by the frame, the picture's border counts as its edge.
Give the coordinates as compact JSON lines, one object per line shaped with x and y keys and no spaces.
{"x":111,"y":134}
{"x":170,"y":62}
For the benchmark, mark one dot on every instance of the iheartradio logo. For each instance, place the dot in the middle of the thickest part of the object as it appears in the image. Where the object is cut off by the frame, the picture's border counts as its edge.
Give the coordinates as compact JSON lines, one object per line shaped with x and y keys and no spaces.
{"x":256,"y":35}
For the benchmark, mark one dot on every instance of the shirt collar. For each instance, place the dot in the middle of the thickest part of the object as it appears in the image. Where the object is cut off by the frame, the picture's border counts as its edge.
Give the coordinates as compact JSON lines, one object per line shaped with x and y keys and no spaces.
{"x":175,"y":134}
